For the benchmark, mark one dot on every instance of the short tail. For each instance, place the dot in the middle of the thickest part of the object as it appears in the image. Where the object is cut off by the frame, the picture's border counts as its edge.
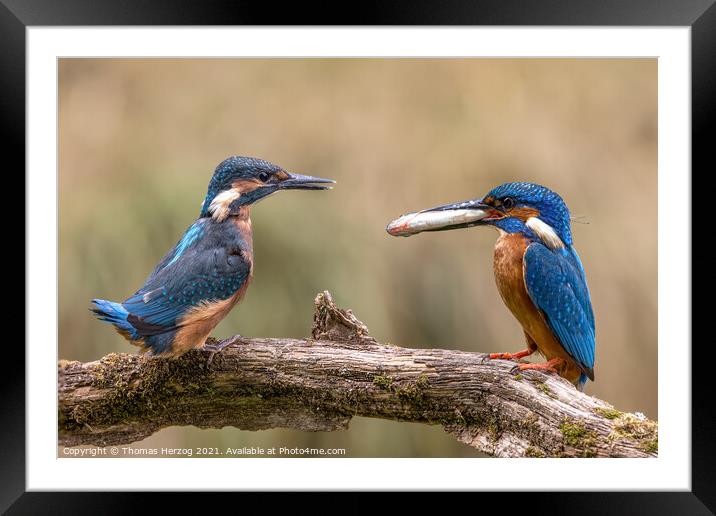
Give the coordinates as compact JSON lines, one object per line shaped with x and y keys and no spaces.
{"x":582,"y":380}
{"x":116,"y":314}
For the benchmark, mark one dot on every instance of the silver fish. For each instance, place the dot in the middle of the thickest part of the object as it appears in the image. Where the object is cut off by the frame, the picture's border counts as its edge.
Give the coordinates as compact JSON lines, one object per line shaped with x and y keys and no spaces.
{"x":427,"y":220}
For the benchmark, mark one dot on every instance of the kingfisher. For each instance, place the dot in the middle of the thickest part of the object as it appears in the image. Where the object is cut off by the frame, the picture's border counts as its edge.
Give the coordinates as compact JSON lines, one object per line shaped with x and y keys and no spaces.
{"x":538,"y":272}
{"x":207,"y":272}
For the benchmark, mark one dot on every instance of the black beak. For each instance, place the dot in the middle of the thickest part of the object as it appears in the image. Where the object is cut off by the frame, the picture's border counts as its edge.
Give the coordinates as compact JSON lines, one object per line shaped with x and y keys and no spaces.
{"x":474,"y":204}
{"x":301,"y":182}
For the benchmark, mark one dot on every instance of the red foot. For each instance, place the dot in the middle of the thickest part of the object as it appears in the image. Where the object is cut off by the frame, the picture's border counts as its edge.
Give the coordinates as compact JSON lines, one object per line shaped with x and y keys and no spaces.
{"x":511,"y":356}
{"x":550,"y":365}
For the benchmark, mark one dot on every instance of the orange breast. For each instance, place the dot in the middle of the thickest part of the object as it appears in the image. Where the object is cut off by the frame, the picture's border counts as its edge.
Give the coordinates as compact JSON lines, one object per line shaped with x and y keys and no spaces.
{"x":509,"y":276}
{"x":199,"y":322}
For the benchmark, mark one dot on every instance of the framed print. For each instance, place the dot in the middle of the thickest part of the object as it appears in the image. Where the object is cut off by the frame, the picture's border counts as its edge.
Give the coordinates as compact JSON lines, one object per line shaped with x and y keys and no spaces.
{"x":231,"y":309}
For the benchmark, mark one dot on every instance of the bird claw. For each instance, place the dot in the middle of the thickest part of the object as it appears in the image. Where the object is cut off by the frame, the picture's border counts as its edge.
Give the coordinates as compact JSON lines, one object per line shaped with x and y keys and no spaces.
{"x":518,"y":355}
{"x":487,"y":357}
{"x":546,"y":367}
{"x":215,"y":348}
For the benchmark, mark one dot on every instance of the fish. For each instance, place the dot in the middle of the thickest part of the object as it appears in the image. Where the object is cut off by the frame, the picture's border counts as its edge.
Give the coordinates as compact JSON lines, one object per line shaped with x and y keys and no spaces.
{"x":430,"y":220}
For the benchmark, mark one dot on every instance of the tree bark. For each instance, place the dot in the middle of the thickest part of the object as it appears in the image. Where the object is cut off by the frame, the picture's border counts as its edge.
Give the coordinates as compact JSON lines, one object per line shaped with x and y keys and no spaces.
{"x":320,"y":383}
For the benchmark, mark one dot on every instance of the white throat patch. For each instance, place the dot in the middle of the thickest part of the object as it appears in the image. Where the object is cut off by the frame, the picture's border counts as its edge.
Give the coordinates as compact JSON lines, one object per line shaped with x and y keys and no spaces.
{"x":219,"y":207}
{"x":545,"y":232}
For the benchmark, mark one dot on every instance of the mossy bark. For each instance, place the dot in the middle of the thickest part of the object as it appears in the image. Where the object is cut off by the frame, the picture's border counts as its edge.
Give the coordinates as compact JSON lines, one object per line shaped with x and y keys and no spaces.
{"x":319,"y":384}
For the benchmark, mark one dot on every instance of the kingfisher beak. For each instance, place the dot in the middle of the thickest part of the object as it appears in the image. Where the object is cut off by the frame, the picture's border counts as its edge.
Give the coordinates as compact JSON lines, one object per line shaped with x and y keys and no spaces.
{"x":301,"y":182}
{"x":457,"y":215}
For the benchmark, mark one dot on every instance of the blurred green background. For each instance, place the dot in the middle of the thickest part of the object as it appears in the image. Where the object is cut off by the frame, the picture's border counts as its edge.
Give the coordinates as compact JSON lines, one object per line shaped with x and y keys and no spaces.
{"x":139,"y":139}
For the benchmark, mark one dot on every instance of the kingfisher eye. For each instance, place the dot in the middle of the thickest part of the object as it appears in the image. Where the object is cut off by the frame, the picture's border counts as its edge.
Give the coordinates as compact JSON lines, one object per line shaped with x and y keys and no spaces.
{"x":508,"y":203}
{"x":264,"y":176}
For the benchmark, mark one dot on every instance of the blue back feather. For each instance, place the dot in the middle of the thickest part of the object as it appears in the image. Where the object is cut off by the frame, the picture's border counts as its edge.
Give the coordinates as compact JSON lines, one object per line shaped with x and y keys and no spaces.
{"x":556,"y":284}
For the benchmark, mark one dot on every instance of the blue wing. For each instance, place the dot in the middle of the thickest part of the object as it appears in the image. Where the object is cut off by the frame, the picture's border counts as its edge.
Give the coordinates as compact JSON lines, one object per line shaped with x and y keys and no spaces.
{"x":202,"y":267}
{"x":191,"y":235}
{"x":556,"y":283}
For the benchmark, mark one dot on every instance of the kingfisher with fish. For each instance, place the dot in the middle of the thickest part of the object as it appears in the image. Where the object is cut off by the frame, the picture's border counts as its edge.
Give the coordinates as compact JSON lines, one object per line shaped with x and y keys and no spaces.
{"x":207,"y":272}
{"x":538,"y":272}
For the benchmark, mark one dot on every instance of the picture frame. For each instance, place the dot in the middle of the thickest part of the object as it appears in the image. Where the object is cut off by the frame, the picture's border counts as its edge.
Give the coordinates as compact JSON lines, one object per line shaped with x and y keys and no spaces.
{"x":17,"y":16}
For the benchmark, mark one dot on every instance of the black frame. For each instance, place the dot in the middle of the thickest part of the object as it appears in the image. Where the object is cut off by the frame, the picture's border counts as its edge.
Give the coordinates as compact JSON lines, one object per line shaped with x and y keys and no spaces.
{"x":700,"y":15}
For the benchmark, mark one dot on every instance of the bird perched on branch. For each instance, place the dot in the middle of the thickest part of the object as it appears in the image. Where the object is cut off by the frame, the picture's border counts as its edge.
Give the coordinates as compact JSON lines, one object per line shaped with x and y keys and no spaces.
{"x":208,"y":271}
{"x":538,"y":272}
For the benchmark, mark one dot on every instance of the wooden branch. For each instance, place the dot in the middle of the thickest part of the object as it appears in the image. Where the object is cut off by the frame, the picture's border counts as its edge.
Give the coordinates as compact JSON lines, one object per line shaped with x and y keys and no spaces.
{"x":319,"y":384}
